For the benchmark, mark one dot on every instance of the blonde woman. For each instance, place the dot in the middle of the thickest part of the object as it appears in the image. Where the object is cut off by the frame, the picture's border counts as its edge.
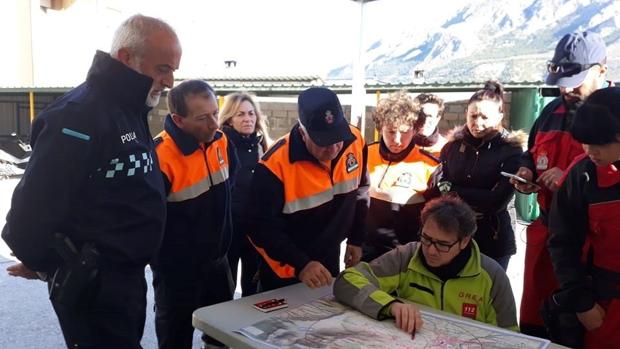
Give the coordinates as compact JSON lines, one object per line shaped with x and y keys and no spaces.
{"x":245,"y":126}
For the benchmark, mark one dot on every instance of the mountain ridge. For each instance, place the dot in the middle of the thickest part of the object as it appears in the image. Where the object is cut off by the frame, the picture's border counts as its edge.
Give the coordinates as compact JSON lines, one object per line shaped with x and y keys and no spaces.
{"x":482,"y":39}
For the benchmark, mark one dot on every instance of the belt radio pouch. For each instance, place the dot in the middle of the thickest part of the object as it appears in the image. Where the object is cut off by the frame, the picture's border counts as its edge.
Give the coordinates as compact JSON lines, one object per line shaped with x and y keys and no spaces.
{"x":79,"y":269}
{"x":562,"y":324}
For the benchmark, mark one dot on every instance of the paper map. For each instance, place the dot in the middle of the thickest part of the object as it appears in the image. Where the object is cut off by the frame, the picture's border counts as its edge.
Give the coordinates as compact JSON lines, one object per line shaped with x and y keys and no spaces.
{"x":326,"y":323}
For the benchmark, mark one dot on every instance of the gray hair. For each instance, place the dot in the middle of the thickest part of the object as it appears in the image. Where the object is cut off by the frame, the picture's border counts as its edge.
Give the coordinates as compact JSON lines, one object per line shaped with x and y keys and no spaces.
{"x":133,"y":32}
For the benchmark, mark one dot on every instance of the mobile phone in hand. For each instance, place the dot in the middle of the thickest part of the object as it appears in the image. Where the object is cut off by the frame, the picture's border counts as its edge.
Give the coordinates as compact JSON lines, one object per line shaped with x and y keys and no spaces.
{"x":517,"y":178}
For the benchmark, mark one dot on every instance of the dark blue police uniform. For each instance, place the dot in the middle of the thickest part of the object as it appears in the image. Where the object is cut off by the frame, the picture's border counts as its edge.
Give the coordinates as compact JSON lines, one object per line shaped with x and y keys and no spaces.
{"x":93,"y":176}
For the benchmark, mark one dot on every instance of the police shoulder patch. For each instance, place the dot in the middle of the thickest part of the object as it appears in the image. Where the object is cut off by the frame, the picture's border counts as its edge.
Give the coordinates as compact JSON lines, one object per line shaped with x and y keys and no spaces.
{"x":273,"y":148}
{"x":351,"y":163}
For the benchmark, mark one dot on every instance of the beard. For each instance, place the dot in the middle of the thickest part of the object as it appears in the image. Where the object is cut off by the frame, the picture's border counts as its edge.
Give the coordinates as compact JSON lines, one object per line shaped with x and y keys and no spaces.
{"x":573,"y":98}
{"x":151,"y":100}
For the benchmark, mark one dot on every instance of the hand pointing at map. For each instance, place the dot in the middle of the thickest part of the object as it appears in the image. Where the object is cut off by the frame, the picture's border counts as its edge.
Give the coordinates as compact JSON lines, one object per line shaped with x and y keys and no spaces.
{"x":408,"y":317}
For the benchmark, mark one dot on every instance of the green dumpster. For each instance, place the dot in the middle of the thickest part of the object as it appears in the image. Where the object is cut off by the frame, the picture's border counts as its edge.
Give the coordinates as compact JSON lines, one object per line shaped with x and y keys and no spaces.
{"x":525,"y":106}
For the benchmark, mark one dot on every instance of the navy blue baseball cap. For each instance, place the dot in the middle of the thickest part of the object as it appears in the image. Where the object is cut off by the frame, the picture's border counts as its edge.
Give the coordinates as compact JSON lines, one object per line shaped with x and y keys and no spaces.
{"x":574,"y":55}
{"x":321,"y":114}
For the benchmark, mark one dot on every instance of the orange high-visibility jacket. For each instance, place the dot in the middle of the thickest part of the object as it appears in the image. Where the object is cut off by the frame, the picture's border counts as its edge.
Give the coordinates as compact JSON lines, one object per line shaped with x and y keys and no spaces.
{"x":398,"y":183}
{"x":301,"y":211}
{"x":198,"y":180}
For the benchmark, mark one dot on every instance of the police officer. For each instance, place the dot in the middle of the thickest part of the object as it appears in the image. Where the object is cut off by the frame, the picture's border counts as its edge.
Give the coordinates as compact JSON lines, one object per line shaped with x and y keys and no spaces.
{"x":191,"y":269}
{"x":90,"y":208}
{"x":310,"y":192}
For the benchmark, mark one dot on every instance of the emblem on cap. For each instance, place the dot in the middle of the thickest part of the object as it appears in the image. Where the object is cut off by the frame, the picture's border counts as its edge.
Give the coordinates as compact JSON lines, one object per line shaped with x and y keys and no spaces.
{"x":329,"y":117}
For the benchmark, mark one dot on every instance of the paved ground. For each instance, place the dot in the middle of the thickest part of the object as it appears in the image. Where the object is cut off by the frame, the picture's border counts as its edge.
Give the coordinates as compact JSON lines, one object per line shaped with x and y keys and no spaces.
{"x":28,"y":321}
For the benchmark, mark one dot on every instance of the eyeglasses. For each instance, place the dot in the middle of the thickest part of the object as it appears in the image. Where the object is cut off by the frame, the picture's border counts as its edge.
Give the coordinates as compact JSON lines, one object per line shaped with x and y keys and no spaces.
{"x":568,"y":68}
{"x":439,"y":245}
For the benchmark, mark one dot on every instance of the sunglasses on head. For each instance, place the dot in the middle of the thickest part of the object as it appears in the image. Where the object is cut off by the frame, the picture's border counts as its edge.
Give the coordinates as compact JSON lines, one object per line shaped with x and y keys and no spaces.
{"x":568,"y":68}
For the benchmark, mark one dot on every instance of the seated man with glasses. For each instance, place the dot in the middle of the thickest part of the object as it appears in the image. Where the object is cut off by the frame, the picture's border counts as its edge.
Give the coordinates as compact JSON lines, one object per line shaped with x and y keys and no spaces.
{"x":444,"y":270}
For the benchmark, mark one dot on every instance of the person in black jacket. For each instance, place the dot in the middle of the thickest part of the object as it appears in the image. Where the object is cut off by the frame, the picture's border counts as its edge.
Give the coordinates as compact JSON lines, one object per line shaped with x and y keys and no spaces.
{"x":471,"y":164}
{"x":198,"y":164}
{"x":309,"y":192}
{"x":90,"y":208}
{"x":584,"y":223}
{"x":246,"y":127}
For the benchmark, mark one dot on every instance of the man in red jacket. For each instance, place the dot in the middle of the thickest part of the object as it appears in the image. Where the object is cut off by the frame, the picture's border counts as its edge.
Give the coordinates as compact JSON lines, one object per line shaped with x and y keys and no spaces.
{"x":578,"y":68}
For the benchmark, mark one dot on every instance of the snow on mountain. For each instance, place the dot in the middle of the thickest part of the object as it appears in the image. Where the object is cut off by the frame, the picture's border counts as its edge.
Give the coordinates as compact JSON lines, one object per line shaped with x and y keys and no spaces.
{"x":482,"y":39}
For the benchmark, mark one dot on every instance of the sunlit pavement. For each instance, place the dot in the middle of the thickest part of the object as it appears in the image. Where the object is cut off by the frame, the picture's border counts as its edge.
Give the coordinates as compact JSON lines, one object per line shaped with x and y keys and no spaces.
{"x":27,"y":319}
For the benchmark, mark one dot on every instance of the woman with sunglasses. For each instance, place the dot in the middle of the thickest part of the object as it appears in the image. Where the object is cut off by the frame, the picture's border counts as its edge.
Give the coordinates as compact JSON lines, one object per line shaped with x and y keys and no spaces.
{"x":444,"y":270}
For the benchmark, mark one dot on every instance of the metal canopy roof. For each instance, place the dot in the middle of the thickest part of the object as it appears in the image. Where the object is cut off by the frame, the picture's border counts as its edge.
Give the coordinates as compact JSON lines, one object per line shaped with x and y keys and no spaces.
{"x":292,"y":85}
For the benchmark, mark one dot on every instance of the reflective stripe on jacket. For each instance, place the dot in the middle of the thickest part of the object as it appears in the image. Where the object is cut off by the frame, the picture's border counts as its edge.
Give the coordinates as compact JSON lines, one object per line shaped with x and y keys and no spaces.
{"x":481,"y":290}
{"x":192,"y":175}
{"x":301,"y":210}
{"x":198,"y":180}
{"x":397,"y":185}
{"x":308,"y":184}
{"x":399,"y":182}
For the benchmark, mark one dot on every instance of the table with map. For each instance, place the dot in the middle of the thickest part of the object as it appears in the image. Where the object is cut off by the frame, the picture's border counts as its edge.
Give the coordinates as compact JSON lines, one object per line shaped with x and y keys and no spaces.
{"x":314,"y":320}
{"x":325,"y":323}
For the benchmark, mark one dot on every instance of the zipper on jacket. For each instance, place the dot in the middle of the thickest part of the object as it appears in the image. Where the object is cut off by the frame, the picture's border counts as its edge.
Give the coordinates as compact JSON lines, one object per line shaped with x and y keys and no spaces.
{"x":204,"y":155}
{"x":473,"y":167}
{"x":442,"y":286}
{"x":384,"y":173}
{"x":329,"y":171}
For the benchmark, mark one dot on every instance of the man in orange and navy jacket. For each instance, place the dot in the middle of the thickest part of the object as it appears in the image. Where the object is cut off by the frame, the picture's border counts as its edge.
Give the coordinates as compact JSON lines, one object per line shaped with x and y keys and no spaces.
{"x":310,"y":192}
{"x":197,"y":162}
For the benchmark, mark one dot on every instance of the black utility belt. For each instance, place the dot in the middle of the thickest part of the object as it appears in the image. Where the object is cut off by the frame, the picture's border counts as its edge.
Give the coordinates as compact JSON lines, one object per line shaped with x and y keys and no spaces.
{"x":78,"y":269}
